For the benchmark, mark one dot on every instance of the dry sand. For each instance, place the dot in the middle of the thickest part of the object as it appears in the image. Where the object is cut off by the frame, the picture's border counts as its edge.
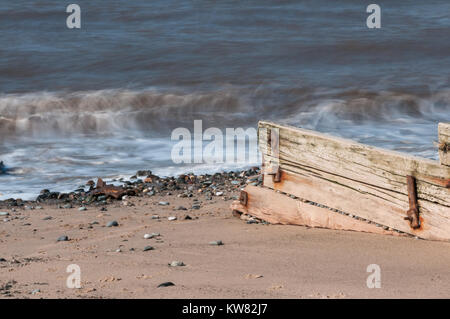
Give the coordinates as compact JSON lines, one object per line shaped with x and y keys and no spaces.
{"x":256,"y":260}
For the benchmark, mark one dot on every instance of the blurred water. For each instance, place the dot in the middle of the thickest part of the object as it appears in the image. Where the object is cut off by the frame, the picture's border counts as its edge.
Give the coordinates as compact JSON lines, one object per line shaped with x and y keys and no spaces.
{"x":103,"y":100}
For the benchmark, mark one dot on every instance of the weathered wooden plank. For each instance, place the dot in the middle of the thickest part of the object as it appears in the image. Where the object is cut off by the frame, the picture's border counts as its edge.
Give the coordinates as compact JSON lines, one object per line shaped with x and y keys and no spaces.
{"x":359,"y":179}
{"x":277,"y":208}
{"x":361,"y":163}
{"x":384,"y":210}
{"x":444,"y":143}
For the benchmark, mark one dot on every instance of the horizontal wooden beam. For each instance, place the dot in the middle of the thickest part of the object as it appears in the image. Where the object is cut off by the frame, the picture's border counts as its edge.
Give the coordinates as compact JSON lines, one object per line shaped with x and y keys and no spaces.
{"x":444,"y":143}
{"x":359,"y":179}
{"x":277,"y":208}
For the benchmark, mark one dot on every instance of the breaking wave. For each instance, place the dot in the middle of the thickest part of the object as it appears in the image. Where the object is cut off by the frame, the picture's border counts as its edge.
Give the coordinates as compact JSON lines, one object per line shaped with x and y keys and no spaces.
{"x":152,"y":111}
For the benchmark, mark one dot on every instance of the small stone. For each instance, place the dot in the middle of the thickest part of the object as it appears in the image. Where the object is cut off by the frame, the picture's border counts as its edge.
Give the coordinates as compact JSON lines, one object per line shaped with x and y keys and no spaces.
{"x":35,"y":291}
{"x":155,"y":217}
{"x":63,"y":238}
{"x":143,"y":173}
{"x":155,"y":234}
{"x":38,"y":207}
{"x":172,"y":218}
{"x":163,"y":203}
{"x":47,"y":218}
{"x":181,"y":208}
{"x":148,"y":236}
{"x":187,"y":217}
{"x":4,"y":214}
{"x":216,"y":243}
{"x":2,"y":260}
{"x":219,"y":193}
{"x":177,"y":264}
{"x":147,"y":248}
{"x":82,"y":209}
{"x":112,"y":224}
{"x":166,"y":284}
{"x":196,"y":206}
{"x":118,"y":250}
{"x":67,"y":206}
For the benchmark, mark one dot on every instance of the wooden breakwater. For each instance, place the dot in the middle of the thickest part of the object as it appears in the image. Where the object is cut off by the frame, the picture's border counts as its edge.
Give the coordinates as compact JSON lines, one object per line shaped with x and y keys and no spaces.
{"x":319,"y":180}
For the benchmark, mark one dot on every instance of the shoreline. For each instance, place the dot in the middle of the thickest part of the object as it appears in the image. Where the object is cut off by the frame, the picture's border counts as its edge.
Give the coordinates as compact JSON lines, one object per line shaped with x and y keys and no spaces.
{"x":143,"y":183}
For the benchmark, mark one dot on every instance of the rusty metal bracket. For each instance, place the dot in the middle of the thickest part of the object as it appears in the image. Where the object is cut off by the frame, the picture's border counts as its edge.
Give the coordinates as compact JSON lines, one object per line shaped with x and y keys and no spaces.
{"x":243,"y":198}
{"x":413,"y":211}
{"x":276,"y":176}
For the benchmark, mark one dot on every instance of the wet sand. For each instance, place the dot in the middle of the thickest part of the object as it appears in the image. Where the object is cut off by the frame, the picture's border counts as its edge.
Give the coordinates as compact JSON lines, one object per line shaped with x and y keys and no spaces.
{"x":255,"y":260}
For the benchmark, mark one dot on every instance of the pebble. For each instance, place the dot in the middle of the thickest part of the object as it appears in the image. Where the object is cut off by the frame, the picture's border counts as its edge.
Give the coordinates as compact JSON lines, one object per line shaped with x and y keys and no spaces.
{"x":63,"y":238}
{"x":187,"y":217}
{"x":35,"y":291}
{"x":216,"y":243}
{"x":112,"y":224}
{"x":163,"y":203}
{"x":166,"y":284}
{"x":177,"y":264}
{"x":4,"y":214}
{"x":47,"y":218}
{"x":155,"y":217}
{"x":147,"y":248}
{"x":67,"y":206}
{"x":196,"y":206}
{"x":2,"y":260}
{"x":219,"y":193}
{"x":148,"y":236}
{"x":118,"y":250}
{"x":81,"y":209}
{"x":181,"y":208}
{"x":172,"y":218}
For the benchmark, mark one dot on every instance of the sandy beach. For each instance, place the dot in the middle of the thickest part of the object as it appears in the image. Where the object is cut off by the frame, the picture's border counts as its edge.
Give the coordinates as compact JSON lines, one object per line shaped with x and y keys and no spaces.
{"x":256,"y":260}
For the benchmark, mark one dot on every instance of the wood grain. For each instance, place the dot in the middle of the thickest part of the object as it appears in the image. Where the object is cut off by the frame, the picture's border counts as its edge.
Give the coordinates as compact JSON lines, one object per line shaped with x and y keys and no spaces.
{"x":359,"y":179}
{"x":277,"y":208}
